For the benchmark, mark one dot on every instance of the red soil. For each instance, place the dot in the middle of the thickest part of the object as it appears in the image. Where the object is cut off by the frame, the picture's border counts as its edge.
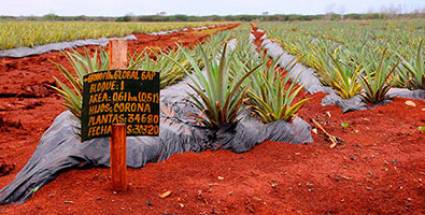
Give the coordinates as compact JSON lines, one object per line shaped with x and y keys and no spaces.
{"x":379,"y":169}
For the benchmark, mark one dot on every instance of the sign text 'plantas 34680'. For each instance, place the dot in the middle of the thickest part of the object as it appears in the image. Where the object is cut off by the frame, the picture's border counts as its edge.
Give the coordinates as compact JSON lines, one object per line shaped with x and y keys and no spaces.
{"x":120,"y":96}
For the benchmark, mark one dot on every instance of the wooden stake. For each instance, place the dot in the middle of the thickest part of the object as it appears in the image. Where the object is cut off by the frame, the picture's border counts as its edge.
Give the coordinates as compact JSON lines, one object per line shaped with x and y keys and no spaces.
{"x":118,"y":160}
{"x":118,"y":54}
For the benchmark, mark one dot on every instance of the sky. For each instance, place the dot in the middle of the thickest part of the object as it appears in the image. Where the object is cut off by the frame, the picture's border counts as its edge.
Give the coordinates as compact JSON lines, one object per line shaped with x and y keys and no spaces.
{"x":199,"y":7}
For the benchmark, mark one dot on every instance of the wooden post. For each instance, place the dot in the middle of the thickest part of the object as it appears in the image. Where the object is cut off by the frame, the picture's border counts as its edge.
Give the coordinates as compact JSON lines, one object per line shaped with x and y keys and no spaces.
{"x":117,"y":54}
{"x":118,"y":157}
{"x":118,"y":161}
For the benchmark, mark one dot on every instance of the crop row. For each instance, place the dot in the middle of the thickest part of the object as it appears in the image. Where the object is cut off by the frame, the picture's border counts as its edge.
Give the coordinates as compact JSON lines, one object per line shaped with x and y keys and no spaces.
{"x":30,"y":33}
{"x":358,"y":57}
{"x":226,"y":79}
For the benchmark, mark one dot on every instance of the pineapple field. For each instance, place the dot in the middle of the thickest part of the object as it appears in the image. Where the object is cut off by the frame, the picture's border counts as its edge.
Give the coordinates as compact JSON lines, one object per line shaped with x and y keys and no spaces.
{"x":15,"y":34}
{"x":297,"y":117}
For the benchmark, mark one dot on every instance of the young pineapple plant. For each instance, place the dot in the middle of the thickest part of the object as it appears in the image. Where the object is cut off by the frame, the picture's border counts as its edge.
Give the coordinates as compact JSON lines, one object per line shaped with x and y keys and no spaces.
{"x":337,"y":70}
{"x":245,"y":56}
{"x":273,"y":97}
{"x":170,"y":72}
{"x":345,"y":80}
{"x":319,"y":59}
{"x":81,"y":65}
{"x":412,"y":72}
{"x":375,"y":80}
{"x":217,"y":96}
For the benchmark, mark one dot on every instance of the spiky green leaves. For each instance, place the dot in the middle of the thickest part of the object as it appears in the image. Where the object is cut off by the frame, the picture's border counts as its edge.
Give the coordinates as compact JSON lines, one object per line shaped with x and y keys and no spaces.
{"x":375,"y":81}
{"x":345,"y":77}
{"x":412,"y":73}
{"x":172,"y":65}
{"x":273,"y":97}
{"x":217,"y":96}
{"x":335,"y":68}
{"x":82,"y":65}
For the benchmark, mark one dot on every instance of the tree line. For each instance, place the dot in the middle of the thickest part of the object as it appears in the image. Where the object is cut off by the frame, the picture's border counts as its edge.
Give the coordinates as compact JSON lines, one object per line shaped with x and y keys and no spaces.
{"x":247,"y":18}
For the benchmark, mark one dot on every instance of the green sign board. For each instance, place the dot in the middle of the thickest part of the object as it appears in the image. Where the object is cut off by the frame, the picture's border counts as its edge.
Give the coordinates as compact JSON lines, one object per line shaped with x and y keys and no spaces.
{"x":120,"y":96}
